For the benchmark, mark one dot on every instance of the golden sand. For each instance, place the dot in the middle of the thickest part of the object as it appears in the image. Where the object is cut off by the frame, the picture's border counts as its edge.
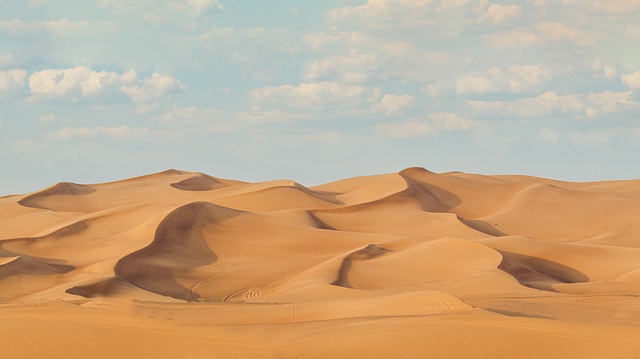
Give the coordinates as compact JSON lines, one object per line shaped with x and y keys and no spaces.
{"x":407,"y":265}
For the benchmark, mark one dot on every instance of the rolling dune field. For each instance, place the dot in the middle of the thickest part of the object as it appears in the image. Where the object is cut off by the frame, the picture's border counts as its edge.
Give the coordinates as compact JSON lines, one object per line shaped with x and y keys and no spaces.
{"x":412,"y":264}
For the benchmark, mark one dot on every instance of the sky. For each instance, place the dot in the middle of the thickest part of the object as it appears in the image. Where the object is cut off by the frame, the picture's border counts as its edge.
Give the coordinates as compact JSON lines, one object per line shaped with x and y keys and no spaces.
{"x":99,"y":90}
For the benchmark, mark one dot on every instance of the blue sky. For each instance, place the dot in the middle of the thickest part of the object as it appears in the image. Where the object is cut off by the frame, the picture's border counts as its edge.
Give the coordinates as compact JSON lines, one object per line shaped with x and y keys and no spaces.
{"x":93,"y":91}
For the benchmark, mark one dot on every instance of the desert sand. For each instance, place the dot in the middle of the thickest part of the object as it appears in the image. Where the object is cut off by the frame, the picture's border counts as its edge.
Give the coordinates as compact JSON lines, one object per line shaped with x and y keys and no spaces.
{"x":412,"y":264}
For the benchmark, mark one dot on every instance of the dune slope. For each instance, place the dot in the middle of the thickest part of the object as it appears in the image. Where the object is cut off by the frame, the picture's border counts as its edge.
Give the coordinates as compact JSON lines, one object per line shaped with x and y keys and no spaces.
{"x":412,"y":264}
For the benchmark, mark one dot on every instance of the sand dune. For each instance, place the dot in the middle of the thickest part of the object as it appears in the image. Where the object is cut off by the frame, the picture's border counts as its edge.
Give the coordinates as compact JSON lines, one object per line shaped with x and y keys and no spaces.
{"x":409,"y":264}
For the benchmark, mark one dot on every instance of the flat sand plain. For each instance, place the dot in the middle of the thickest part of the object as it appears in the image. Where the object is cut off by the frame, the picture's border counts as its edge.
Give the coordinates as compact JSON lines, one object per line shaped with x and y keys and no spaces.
{"x":412,"y":264}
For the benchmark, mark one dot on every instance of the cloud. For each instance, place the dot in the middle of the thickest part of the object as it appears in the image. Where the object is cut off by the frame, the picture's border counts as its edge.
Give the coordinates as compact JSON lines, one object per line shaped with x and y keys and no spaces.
{"x":393,"y":105}
{"x":591,"y":105}
{"x":366,"y":58}
{"x":498,"y":14}
{"x":332,"y":97}
{"x":179,"y":115}
{"x":386,"y":10}
{"x":356,"y":67}
{"x":111,"y":3}
{"x":556,"y":31}
{"x":616,"y":6}
{"x":317,"y":96}
{"x":258,"y":115}
{"x":435,"y":123}
{"x":396,"y":13}
{"x":317,"y":41}
{"x":197,"y":7}
{"x":512,"y":38}
{"x":517,"y":78}
{"x":449,"y":121}
{"x":605,"y":71}
{"x":11,"y":80}
{"x":632,"y":80}
{"x":119,"y":133}
{"x":73,"y":82}
{"x":152,"y":88}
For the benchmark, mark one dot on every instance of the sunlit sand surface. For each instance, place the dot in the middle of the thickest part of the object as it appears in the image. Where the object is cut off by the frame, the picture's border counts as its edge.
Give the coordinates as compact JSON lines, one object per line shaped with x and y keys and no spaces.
{"x":407,"y":265}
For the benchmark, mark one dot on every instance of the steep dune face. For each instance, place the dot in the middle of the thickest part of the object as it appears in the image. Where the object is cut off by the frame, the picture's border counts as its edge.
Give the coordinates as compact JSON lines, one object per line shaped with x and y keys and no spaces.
{"x":57,"y":197}
{"x":396,"y":250}
{"x":177,"y":247}
{"x":199,"y":182}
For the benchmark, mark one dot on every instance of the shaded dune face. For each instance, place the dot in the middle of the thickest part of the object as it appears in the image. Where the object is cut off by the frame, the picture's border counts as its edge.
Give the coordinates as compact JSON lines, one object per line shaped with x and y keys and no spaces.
{"x":26,"y":265}
{"x":369,"y":252}
{"x":60,"y":189}
{"x":200,"y":182}
{"x":178,"y":246}
{"x":431,"y":198}
{"x":104,"y":288}
{"x":539,"y":273}
{"x":17,"y":260}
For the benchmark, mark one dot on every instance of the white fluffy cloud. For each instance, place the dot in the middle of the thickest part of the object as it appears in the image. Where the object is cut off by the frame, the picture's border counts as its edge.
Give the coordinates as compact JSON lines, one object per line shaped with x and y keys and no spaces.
{"x":498,"y":14}
{"x":119,"y":133}
{"x":401,"y":13}
{"x":196,"y":7}
{"x":75,"y":81}
{"x":392,"y":105}
{"x":11,"y":80}
{"x":632,"y":80}
{"x":557,"y":31}
{"x":365,"y":58}
{"x":153,"y":88}
{"x":332,"y":97}
{"x":385,"y":10}
{"x":516,"y":78}
{"x":356,"y":67}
